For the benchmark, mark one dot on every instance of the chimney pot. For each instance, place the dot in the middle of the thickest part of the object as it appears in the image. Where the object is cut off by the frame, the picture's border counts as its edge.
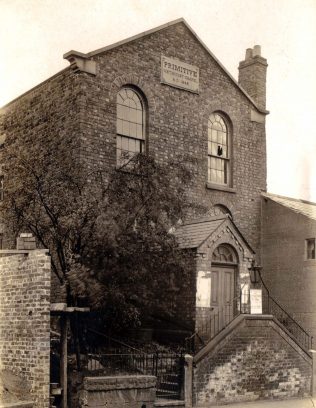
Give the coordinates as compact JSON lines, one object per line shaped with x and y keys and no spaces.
{"x":248,"y":53}
{"x":256,"y":51}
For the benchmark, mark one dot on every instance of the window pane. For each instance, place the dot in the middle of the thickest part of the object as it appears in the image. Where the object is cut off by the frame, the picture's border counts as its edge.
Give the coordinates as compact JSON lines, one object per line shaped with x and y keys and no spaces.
{"x":119,"y":142}
{"x":213,"y":175}
{"x":124,"y":112}
{"x":125,"y":143}
{"x":125,"y":130}
{"x":220,"y":177}
{"x":214,"y":135}
{"x":140,"y":131}
{"x":214,"y":149}
{"x":132,"y":129}
{"x":213,"y":162}
{"x":139,"y":118}
{"x":129,"y":93}
{"x":209,"y":147}
{"x":132,"y":115}
{"x":119,"y":111}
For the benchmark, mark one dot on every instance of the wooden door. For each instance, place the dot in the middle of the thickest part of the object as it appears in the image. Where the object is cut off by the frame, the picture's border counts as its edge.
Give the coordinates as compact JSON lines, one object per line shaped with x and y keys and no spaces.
{"x":222,"y":297}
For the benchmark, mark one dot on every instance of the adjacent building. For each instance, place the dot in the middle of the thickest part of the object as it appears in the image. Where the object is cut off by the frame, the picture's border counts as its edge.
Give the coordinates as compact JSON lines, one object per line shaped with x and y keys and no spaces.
{"x":288,"y":256}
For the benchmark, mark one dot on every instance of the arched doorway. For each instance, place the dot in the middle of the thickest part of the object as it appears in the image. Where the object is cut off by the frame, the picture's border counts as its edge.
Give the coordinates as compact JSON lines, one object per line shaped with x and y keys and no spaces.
{"x":223,"y":287}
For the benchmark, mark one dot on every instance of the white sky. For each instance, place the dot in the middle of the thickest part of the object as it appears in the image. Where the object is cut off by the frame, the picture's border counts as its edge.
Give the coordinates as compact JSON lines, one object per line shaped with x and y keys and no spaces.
{"x":34,"y":34}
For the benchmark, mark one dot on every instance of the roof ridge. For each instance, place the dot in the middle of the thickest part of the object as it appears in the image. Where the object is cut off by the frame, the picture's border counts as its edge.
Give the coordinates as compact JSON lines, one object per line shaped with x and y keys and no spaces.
{"x":298,"y":200}
{"x":73,"y":53}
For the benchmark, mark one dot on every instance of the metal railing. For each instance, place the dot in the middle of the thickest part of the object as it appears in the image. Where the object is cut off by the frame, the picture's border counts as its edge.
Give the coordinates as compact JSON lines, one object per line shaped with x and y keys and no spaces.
{"x":167,"y":367}
{"x":213,"y":323}
{"x":300,"y":335}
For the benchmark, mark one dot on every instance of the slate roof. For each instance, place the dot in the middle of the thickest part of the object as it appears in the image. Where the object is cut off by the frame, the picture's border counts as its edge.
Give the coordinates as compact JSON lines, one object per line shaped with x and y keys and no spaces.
{"x":302,"y":207}
{"x":194,"y":233}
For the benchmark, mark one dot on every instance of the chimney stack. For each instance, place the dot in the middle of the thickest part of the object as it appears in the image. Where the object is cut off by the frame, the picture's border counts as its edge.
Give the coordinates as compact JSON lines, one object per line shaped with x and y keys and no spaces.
{"x":252,"y":75}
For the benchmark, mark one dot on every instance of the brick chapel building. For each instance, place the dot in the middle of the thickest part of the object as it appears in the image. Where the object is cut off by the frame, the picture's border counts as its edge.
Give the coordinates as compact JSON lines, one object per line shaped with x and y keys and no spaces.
{"x":164,"y":93}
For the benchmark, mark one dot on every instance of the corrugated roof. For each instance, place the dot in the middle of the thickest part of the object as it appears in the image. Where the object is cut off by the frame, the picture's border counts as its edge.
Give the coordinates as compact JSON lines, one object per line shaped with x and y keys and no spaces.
{"x":303,"y":207}
{"x":193,"y":233}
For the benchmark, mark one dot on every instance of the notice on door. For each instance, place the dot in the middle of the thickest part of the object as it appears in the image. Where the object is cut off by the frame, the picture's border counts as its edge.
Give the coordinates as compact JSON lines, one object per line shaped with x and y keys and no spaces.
{"x":255,"y":301}
{"x":179,"y":74}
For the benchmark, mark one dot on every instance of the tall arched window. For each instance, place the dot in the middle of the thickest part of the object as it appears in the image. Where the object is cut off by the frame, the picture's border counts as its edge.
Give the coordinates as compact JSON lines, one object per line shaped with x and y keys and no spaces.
{"x":218,"y":150}
{"x":130,"y":129}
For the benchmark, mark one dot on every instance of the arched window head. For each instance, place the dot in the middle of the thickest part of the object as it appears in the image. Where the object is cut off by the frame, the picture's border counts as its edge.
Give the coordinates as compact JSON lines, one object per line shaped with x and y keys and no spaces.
{"x":130,"y":125}
{"x":218,"y":150}
{"x":219,"y":209}
{"x":224,"y":253}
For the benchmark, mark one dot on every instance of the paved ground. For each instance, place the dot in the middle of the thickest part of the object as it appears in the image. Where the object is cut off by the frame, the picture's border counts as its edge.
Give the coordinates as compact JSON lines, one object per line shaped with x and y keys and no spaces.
{"x":297,"y":403}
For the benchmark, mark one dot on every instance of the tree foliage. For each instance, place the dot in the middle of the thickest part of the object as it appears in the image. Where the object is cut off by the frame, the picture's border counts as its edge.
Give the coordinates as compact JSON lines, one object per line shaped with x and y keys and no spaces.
{"x":109,"y":233}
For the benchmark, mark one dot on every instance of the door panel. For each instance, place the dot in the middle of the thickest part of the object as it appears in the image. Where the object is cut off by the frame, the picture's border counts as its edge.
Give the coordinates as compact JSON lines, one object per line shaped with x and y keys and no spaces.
{"x":222,"y":295}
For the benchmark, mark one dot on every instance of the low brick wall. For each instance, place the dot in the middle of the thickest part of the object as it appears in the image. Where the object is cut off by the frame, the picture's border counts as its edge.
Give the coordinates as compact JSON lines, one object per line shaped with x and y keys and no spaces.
{"x":25,"y":326}
{"x":256,"y":360}
{"x":118,"y":392}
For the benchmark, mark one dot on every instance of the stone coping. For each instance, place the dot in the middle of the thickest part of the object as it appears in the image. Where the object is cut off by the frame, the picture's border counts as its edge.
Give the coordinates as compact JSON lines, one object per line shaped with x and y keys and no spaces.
{"x":273,"y":322}
{"x":119,"y":382}
{"x":21,"y":404}
{"x":169,"y":403}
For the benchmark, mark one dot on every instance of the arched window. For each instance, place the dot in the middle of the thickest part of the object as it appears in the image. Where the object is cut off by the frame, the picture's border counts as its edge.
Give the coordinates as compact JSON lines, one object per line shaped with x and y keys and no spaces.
{"x":130,"y":129}
{"x":224,"y":253}
{"x":218,"y":150}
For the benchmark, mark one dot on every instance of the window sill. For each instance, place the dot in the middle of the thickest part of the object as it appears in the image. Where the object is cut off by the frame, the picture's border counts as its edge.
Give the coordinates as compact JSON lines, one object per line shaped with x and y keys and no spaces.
{"x":212,"y":186}
{"x":308,"y":262}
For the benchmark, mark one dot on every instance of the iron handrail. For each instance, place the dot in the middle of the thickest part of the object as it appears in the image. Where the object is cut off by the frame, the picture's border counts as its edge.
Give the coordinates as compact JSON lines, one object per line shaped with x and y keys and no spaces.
{"x":309,"y":338}
{"x":287,"y":314}
{"x":189,"y":341}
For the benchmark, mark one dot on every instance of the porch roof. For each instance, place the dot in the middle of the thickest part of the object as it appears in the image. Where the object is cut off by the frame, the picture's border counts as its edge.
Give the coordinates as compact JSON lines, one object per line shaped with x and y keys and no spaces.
{"x":193,"y":233}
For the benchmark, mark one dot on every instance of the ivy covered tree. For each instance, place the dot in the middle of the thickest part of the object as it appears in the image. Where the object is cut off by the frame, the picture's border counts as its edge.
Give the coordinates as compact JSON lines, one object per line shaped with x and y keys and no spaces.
{"x":109,"y":233}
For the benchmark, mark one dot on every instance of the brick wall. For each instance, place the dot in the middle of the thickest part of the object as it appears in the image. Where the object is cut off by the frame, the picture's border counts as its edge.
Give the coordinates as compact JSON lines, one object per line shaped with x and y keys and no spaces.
{"x":82,"y":107}
{"x":177,"y":119}
{"x":255,"y":361}
{"x":25,"y":321}
{"x":290,"y":277}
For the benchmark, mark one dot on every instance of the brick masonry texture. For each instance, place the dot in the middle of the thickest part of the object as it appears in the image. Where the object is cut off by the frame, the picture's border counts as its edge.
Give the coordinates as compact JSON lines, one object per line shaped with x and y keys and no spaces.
{"x":290,"y":277}
{"x":25,"y":321}
{"x":83,"y":106}
{"x":255,"y":361}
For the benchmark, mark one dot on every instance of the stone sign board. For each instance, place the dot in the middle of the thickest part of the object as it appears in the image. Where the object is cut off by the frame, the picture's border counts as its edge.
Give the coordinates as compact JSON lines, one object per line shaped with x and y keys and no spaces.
{"x":179,"y":74}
